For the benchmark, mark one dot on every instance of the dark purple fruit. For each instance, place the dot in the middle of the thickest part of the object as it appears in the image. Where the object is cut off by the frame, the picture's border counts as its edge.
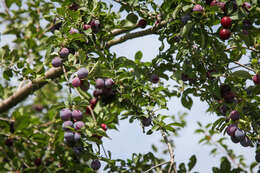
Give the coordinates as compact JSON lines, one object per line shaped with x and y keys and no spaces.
{"x":65,"y":114}
{"x":184,"y":77}
{"x":147,"y":121}
{"x":239,"y":134}
{"x":64,"y":52}
{"x":234,"y":139}
{"x":38,"y":162}
{"x":93,"y":102}
{"x":257,"y":157}
{"x":95,"y":164}
{"x":69,"y":136}
{"x":82,"y":73}
{"x":9,"y":142}
{"x":154,"y":78}
{"x":78,"y":125}
{"x":56,"y":62}
{"x":234,"y":115}
{"x":37,"y":107}
{"x":97,"y":92}
{"x":108,"y":92}
{"x":100,"y":83}
{"x":245,"y":142}
{"x":142,"y":23}
{"x":76,"y":82}
{"x":66,"y":125}
{"x":95,"y":26}
{"x":76,"y":115}
{"x":109,"y":83}
{"x":256,"y":79}
{"x":231,"y":129}
{"x":77,"y":137}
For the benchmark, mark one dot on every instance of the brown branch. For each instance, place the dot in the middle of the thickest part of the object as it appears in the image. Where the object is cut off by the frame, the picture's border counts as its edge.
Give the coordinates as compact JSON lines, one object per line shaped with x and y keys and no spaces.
{"x":242,"y":65}
{"x":163,"y":163}
{"x":29,"y":88}
{"x":52,"y":73}
{"x":172,"y":165}
{"x":137,"y":34}
{"x":6,"y":119}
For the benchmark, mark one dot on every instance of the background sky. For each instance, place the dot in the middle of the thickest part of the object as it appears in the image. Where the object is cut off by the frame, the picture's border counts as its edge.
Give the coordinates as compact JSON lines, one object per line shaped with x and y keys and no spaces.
{"x":130,"y":138}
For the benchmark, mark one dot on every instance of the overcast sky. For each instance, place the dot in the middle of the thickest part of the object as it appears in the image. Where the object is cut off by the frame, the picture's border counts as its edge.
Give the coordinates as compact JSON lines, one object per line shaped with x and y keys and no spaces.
{"x":130,"y":138}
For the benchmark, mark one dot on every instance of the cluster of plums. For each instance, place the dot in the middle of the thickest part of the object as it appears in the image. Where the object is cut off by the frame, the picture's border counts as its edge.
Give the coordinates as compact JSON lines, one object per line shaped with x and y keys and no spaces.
{"x":226,"y":21}
{"x":79,"y":81}
{"x":71,"y":119}
{"x":237,"y":135}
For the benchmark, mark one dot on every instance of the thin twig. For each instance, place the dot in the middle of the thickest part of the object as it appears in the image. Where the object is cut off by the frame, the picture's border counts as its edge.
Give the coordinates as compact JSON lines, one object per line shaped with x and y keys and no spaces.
{"x":66,"y":77}
{"x":129,"y":36}
{"x":242,"y":65}
{"x":163,"y":163}
{"x":6,"y":9}
{"x":232,"y":68}
{"x":172,"y":165}
{"x":249,"y":48}
{"x":6,"y":119}
{"x":92,"y":114}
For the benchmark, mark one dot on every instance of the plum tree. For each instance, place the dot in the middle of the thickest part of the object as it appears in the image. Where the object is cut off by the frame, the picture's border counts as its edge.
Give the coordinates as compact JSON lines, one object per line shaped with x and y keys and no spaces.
{"x":58,"y":59}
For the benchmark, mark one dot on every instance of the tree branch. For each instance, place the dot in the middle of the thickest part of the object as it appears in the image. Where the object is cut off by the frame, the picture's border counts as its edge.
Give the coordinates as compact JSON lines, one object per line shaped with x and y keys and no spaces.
{"x":163,"y":163}
{"x":137,"y":34}
{"x":172,"y":165}
{"x":52,"y":73}
{"x":29,"y":88}
{"x":242,"y":65}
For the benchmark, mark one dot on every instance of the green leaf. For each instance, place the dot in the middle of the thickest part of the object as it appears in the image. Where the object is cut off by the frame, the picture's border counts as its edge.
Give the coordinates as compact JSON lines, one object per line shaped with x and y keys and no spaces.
{"x":132,"y":17}
{"x":242,"y":74}
{"x":138,"y":56}
{"x":192,"y":162}
{"x":186,"y":29}
{"x":225,"y":164}
{"x":186,"y":101}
